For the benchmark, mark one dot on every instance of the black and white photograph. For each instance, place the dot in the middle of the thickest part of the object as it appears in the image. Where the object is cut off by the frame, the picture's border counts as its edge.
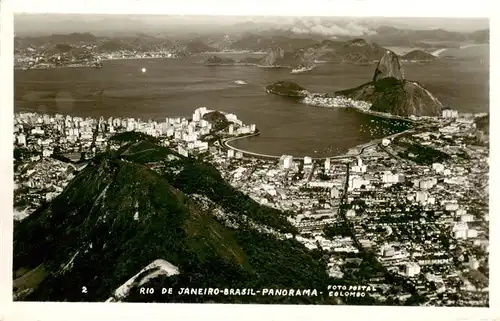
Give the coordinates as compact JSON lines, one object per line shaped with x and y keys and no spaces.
{"x":251,"y":159}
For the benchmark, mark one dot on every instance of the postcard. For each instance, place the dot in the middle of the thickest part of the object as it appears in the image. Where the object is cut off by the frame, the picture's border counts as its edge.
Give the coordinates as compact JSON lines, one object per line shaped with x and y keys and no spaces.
{"x":311,"y":160}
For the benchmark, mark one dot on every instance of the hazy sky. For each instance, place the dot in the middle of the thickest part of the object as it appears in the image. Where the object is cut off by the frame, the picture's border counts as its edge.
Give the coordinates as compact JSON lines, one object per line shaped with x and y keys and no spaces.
{"x":38,"y":24}
{"x":425,"y":8}
{"x":113,"y":17}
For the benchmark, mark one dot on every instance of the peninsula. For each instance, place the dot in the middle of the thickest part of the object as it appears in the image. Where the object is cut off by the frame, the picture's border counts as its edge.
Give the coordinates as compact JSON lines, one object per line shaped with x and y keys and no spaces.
{"x":388,"y":94}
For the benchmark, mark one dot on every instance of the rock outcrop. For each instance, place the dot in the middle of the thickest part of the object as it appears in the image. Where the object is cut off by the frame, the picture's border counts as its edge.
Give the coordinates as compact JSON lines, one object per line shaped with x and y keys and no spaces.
{"x":277,"y":57}
{"x":390,"y":93}
{"x":389,"y":66}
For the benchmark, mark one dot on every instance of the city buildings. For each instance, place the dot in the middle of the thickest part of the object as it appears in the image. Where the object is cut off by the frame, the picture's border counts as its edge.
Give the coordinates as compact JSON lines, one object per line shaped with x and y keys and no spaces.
{"x":426,"y":222}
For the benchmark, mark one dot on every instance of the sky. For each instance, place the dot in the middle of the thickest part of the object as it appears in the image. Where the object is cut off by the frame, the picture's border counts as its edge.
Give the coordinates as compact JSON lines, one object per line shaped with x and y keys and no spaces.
{"x":406,"y":8}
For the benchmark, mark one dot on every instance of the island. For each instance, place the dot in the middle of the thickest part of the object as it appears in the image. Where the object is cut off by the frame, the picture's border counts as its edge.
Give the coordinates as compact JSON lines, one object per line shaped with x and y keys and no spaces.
{"x":418,"y":56}
{"x":219,"y":61}
{"x":287,"y":88}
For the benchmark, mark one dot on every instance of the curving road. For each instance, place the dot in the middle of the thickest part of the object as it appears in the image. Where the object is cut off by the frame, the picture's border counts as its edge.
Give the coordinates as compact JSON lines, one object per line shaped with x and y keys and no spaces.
{"x":361,"y":148}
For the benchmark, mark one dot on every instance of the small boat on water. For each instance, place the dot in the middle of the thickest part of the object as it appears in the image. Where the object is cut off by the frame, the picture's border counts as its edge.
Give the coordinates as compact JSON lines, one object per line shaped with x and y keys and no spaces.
{"x":302,"y":69}
{"x":240,"y":82}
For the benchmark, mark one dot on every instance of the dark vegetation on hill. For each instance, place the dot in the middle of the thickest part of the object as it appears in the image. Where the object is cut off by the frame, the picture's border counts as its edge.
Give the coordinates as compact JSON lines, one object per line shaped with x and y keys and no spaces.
{"x":197,"y":46}
{"x":217,"y":119}
{"x":483,"y":123}
{"x":286,"y":88}
{"x":422,"y":155}
{"x":355,"y":51}
{"x":250,"y":60}
{"x":117,"y":216}
{"x":418,"y":55}
{"x":256,"y":42}
{"x":216,"y":60}
{"x":132,"y":137}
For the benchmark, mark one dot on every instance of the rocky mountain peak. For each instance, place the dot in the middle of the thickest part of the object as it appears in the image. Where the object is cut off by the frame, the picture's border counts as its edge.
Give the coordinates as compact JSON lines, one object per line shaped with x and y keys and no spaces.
{"x":389,"y":66}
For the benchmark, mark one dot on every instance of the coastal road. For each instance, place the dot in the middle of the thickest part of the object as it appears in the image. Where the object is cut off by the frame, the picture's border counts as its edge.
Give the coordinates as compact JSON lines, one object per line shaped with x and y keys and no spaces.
{"x":361,"y":148}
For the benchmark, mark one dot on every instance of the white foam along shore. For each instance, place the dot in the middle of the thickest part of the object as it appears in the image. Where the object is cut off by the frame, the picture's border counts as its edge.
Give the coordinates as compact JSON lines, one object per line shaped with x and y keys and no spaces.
{"x":439,"y":51}
{"x":301,"y":70}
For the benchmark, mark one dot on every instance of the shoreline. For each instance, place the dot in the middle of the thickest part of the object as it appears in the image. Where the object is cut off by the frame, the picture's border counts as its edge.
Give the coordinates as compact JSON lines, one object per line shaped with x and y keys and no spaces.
{"x":84,"y":66}
{"x":348,"y":154}
{"x":351,"y":106}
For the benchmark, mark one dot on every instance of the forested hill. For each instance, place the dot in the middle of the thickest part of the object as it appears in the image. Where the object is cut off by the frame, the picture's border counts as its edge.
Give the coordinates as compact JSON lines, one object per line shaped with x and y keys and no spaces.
{"x":118,"y":215}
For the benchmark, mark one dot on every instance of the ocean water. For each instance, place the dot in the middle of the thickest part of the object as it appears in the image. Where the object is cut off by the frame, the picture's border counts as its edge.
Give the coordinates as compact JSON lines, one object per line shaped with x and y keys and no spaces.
{"x":171,"y":87}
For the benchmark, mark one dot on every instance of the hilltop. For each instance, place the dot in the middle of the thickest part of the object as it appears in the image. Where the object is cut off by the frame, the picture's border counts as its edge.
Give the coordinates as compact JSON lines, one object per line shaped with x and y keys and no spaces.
{"x":277,"y":57}
{"x":118,"y":215}
{"x":217,"y":119}
{"x":418,"y":55}
{"x":390,"y":92}
{"x":483,"y":124}
{"x":262,"y":42}
{"x":197,"y":46}
{"x":356,"y":51}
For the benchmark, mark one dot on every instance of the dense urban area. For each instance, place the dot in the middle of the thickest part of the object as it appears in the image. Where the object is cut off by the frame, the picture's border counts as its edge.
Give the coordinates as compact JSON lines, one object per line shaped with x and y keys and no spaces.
{"x":407,"y":214}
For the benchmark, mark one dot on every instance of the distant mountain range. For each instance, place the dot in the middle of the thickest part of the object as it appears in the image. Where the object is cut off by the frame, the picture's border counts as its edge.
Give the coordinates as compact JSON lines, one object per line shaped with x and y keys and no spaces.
{"x":263,"y":40}
{"x":384,"y":36}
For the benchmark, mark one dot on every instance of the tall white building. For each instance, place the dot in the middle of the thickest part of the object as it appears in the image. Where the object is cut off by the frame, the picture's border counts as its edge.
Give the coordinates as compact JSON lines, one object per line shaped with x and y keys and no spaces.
{"x":460,"y":230}
{"x":327,"y":164}
{"x":230,"y":153}
{"x":307,"y":160}
{"x":359,"y":169}
{"x":471,"y":233}
{"x":473,"y":263}
{"x":438,"y":167}
{"x":196,"y":115}
{"x":449,"y":113}
{"x":466,"y":218}
{"x":286,"y":161}
{"x":412,"y":269}
{"x":390,"y":178}
{"x":452,"y":207}
{"x":421,"y":196}
{"x":334,"y":192}
{"x":21,"y":139}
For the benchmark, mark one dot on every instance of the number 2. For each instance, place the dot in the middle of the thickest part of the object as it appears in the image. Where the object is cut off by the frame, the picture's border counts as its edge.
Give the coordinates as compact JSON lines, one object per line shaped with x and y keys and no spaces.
{"x":84,"y":289}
